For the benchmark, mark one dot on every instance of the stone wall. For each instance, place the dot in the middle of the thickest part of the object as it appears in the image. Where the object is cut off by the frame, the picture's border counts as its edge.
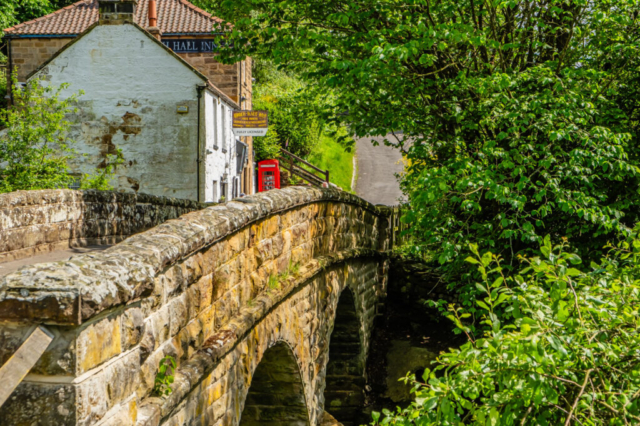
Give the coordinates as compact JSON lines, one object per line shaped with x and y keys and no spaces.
{"x":27,"y":54}
{"x":35,"y":222}
{"x":225,"y":77}
{"x":215,"y":289}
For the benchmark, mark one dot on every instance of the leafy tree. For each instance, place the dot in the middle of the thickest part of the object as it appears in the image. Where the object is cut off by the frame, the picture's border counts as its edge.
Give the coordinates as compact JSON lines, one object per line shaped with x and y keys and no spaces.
{"x":34,"y":147}
{"x":291,"y":108}
{"x":564,"y":350}
{"x":515,"y":114}
{"x":267,"y":147}
{"x":13,"y":12}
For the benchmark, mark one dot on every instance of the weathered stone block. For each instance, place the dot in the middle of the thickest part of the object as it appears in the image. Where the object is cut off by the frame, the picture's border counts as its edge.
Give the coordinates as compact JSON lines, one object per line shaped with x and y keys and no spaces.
{"x":178,"y":314}
{"x":98,"y":342}
{"x":132,"y":327}
{"x":40,"y":404}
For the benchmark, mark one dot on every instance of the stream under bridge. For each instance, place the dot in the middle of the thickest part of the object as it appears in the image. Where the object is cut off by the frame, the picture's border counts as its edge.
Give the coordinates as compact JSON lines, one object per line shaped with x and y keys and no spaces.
{"x":266,"y":303}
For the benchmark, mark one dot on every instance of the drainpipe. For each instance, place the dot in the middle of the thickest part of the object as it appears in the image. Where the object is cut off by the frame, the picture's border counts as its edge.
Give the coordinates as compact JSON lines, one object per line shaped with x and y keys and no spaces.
{"x":199,"y":89}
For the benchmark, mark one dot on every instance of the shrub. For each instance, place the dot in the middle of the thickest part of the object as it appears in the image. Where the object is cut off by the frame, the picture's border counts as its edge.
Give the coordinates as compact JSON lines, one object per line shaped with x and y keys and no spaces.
{"x":35,"y":147}
{"x":561,"y":346}
{"x":165,"y":376}
{"x":544,"y":159}
{"x":267,"y":147}
{"x":293,"y":118}
{"x":102,"y":179}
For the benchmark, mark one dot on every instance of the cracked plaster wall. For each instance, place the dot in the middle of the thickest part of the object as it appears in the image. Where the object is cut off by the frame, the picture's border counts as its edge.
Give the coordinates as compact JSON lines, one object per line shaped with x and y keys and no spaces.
{"x":132,"y":90}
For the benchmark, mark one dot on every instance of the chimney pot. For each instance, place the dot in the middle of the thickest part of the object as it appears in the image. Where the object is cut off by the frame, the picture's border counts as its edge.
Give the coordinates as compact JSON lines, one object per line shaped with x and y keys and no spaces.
{"x":153,"y":20}
{"x":153,"y":14}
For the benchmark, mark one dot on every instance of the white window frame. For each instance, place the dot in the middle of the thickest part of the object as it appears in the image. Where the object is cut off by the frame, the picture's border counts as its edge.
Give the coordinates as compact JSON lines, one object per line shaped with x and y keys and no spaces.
{"x":224,"y":129}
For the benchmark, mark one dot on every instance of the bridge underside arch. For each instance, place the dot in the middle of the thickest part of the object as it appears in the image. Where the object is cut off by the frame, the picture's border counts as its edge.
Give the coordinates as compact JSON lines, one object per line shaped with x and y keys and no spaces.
{"x":276,"y":395}
{"x":344,"y":397}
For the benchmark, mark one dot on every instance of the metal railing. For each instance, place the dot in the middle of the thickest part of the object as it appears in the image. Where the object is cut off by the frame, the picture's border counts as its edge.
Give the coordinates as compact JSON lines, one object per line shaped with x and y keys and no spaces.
{"x":288,"y":161}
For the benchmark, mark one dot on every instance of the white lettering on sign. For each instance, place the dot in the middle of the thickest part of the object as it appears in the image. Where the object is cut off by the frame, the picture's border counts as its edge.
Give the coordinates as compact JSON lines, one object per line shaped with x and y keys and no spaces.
{"x":191,"y":46}
{"x":250,"y":132}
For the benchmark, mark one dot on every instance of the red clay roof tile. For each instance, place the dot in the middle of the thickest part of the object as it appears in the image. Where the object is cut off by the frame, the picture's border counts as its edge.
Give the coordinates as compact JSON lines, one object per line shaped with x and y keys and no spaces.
{"x":174,"y":16}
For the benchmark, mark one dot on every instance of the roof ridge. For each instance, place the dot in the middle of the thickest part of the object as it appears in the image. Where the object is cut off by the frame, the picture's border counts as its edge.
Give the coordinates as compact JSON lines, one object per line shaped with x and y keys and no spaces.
{"x":55,"y":12}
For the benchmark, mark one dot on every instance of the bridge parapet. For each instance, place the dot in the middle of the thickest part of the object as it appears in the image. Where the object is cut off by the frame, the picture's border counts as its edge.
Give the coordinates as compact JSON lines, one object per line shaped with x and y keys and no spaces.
{"x":192,"y":288}
{"x":36,"y":222}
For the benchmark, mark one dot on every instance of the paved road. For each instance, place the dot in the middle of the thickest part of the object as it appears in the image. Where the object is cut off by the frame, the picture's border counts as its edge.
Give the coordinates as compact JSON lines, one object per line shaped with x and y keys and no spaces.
{"x":377,"y":167}
{"x":54,"y":256}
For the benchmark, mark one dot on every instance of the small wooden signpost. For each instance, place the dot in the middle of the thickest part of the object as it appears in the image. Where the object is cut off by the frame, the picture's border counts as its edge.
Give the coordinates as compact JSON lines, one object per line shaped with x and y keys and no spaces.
{"x":19,"y":365}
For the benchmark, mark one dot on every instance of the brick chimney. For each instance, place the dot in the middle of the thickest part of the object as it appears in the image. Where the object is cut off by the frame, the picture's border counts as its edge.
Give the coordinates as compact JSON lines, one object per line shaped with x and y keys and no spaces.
{"x":117,"y":11}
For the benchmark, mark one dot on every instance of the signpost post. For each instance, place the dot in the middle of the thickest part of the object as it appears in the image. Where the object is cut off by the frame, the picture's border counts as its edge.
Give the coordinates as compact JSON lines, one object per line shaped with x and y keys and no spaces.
{"x":250,"y":123}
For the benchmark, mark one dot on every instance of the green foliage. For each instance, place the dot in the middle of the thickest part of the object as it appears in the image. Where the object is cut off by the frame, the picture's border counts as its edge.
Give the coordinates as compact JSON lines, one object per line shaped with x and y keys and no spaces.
{"x":102,"y":179}
{"x":13,"y":12}
{"x":164,"y":378}
{"x":3,"y":84}
{"x":331,"y":155}
{"x":297,"y":121}
{"x":294,"y":268}
{"x":560,"y":347}
{"x":293,"y":112}
{"x":267,"y":147}
{"x":274,"y":282}
{"x":34,"y":148}
{"x":519,"y":118}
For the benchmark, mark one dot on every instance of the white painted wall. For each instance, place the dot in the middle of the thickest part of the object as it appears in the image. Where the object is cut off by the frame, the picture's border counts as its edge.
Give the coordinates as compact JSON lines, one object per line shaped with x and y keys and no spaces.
{"x":220,"y":148}
{"x":132,"y":88}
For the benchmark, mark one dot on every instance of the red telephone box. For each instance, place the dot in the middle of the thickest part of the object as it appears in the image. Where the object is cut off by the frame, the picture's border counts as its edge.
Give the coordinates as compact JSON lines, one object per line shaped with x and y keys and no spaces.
{"x":268,"y":175}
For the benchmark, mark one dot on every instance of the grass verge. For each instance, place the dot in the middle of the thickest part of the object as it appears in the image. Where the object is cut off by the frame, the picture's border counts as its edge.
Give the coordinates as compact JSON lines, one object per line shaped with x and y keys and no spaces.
{"x":330,"y":155}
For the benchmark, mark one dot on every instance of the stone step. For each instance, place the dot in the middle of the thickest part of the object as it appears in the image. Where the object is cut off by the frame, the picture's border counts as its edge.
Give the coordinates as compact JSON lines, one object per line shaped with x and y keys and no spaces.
{"x":345,"y":382}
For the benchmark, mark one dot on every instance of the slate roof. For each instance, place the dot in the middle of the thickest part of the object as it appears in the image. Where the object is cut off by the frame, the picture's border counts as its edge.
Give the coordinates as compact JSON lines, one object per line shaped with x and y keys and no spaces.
{"x":174,"y":16}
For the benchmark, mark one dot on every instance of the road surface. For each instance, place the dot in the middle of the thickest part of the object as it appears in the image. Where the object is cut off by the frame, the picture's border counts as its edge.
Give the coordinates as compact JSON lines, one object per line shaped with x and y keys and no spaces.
{"x":8,"y":267}
{"x":377,"y":169}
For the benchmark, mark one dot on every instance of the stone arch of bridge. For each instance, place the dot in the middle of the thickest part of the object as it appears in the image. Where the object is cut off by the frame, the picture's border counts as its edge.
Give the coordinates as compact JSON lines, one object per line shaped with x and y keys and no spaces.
{"x":276,"y":395}
{"x":344,"y":380}
{"x":201,"y":289}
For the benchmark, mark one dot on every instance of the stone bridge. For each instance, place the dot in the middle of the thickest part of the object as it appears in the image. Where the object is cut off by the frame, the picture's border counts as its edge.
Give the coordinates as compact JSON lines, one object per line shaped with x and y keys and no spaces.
{"x":266,"y":303}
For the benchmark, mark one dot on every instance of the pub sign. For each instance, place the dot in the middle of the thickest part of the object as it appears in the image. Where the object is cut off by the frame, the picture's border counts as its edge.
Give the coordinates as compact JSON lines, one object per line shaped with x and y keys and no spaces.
{"x":250,"y":123}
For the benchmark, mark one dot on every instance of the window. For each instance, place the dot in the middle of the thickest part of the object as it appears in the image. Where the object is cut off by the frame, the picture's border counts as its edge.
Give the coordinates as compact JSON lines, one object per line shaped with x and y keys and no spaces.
{"x":215,"y":124}
{"x":214,"y":195}
{"x":223,"y":189}
{"x":77,"y":180}
{"x":224,"y":128}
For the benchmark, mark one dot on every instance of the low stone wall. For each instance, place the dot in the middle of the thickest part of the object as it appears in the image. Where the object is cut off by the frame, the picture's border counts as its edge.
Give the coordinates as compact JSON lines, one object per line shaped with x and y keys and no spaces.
{"x":34,"y":222}
{"x":215,"y":289}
